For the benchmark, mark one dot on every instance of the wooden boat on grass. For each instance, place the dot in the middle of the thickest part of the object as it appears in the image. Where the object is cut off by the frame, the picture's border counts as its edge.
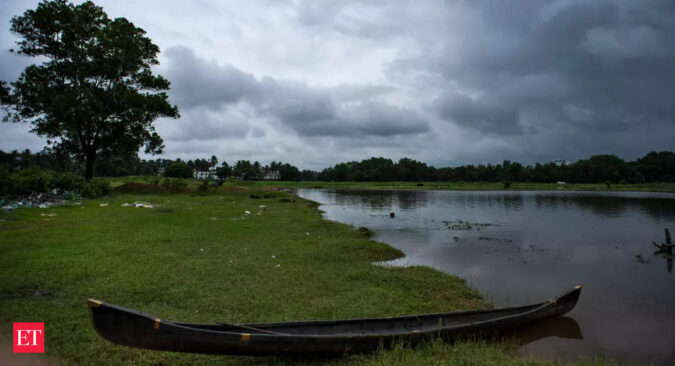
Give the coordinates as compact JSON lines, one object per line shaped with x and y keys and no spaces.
{"x":314,"y":338}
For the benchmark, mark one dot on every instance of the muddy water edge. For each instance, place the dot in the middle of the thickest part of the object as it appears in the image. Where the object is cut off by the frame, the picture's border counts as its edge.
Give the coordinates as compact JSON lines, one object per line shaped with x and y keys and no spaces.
{"x":523,"y":247}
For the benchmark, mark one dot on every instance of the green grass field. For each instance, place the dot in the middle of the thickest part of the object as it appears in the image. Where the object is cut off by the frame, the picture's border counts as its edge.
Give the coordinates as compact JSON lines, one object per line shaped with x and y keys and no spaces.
{"x":201,"y":258}
{"x":476,"y":186}
{"x":451,"y":186}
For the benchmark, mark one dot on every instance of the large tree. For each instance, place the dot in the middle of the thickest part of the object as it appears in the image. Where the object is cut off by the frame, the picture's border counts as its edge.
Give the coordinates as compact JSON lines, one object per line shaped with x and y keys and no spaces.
{"x":94,"y":91}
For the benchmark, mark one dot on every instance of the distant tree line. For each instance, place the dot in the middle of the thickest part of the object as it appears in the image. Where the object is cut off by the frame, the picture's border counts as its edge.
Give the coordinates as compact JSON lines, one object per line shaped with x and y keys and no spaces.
{"x":108,"y":165}
{"x":653,"y":167}
{"x":126,"y":165}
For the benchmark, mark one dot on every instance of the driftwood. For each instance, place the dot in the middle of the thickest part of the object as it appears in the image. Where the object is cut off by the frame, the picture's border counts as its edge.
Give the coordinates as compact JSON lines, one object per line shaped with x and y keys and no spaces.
{"x":666,"y":251}
{"x":668,"y":246}
{"x":668,"y":242}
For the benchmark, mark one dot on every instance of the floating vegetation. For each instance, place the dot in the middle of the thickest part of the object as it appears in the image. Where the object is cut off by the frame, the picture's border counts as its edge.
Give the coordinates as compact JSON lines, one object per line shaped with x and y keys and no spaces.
{"x":467,"y":225}
{"x":533,"y":249}
{"x":640,"y":259}
{"x":495,"y":239}
{"x":412,"y":229}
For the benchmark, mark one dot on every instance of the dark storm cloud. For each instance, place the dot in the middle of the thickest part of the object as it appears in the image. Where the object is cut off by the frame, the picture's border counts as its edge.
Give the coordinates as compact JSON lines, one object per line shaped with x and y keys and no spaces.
{"x":372,"y":118}
{"x":202,"y":123}
{"x":200,"y":82}
{"x":591,"y":65}
{"x":343,"y":110}
{"x":315,"y":82}
{"x":353,"y":92}
{"x":491,"y":115}
{"x":313,"y":118}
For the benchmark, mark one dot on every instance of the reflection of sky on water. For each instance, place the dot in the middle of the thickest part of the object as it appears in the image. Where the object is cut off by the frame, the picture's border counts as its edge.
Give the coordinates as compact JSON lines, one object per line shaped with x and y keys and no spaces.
{"x":533,"y":245}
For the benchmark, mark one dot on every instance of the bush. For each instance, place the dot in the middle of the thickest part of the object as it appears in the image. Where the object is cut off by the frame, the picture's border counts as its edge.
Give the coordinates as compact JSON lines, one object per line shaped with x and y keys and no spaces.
{"x":5,"y":180}
{"x":204,"y":187}
{"x":30,"y":180}
{"x":178,"y":170}
{"x":36,"y":180}
{"x":175,"y":185}
{"x":68,"y":182}
{"x":95,"y":188}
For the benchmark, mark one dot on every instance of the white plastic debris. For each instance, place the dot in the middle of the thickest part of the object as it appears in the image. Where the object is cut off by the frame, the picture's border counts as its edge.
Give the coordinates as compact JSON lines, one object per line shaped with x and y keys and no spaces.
{"x":138,"y":204}
{"x":247,"y":212}
{"x":262,"y":206}
{"x":274,"y":257}
{"x":277,"y":266}
{"x":103,"y":204}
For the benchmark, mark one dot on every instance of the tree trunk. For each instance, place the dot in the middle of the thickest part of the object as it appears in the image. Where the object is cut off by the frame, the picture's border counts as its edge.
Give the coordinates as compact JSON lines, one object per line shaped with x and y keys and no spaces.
{"x":89,"y":165}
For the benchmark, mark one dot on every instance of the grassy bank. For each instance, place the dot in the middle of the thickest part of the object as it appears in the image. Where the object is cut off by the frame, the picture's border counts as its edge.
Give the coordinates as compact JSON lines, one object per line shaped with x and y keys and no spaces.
{"x":450,"y":186}
{"x":202,"y":258}
{"x":477,"y":186}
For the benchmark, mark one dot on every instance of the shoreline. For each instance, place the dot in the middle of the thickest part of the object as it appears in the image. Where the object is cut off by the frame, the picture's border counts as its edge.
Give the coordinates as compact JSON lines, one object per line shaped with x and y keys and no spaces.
{"x":472,"y":186}
{"x":664,"y":187}
{"x":156,"y":260}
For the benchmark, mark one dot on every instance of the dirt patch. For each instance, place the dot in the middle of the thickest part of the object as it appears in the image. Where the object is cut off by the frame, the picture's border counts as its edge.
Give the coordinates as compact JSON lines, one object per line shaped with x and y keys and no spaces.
{"x":8,"y":357}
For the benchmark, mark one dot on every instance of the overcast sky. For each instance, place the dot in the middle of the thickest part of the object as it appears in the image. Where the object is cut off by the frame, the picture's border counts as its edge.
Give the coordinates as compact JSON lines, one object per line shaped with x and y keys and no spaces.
{"x":316,"y":82}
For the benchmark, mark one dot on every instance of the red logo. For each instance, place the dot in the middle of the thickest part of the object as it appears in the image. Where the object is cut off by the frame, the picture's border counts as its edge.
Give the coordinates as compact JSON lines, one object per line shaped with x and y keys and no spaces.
{"x":29,"y":337}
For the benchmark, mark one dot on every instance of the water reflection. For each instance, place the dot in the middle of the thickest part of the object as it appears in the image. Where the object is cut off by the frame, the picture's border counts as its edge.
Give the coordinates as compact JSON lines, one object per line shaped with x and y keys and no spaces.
{"x":668,"y":258}
{"x":521,"y":247}
{"x":560,"y":327}
{"x":379,"y":200}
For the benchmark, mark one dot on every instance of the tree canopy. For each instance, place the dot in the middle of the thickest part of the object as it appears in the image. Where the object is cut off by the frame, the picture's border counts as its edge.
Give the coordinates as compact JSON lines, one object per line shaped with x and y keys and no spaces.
{"x":178,"y":170}
{"x":94,"y":92}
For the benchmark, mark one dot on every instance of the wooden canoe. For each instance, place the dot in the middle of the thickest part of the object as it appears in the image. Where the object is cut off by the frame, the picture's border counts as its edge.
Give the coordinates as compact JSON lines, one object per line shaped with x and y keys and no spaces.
{"x":314,"y":338}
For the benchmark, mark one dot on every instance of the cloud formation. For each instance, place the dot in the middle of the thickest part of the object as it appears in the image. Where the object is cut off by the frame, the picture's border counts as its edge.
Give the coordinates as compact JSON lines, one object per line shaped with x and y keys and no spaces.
{"x":338,"y":111}
{"x":448,"y":82}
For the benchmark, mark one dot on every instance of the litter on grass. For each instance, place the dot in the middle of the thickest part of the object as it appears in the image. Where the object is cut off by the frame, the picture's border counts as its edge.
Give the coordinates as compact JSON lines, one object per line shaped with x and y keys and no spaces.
{"x":139,"y":204}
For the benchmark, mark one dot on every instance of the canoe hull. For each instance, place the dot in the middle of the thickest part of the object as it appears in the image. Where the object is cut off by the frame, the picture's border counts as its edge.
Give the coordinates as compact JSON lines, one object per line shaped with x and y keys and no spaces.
{"x":313,"y":338}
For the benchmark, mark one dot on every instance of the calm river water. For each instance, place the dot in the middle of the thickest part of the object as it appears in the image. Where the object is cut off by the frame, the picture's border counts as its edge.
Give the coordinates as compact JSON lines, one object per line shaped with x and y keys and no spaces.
{"x":522,"y":247}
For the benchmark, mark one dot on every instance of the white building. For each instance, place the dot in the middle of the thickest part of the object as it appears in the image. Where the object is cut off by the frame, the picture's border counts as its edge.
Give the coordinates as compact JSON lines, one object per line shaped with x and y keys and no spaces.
{"x":209,"y":174}
{"x":273,"y":175}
